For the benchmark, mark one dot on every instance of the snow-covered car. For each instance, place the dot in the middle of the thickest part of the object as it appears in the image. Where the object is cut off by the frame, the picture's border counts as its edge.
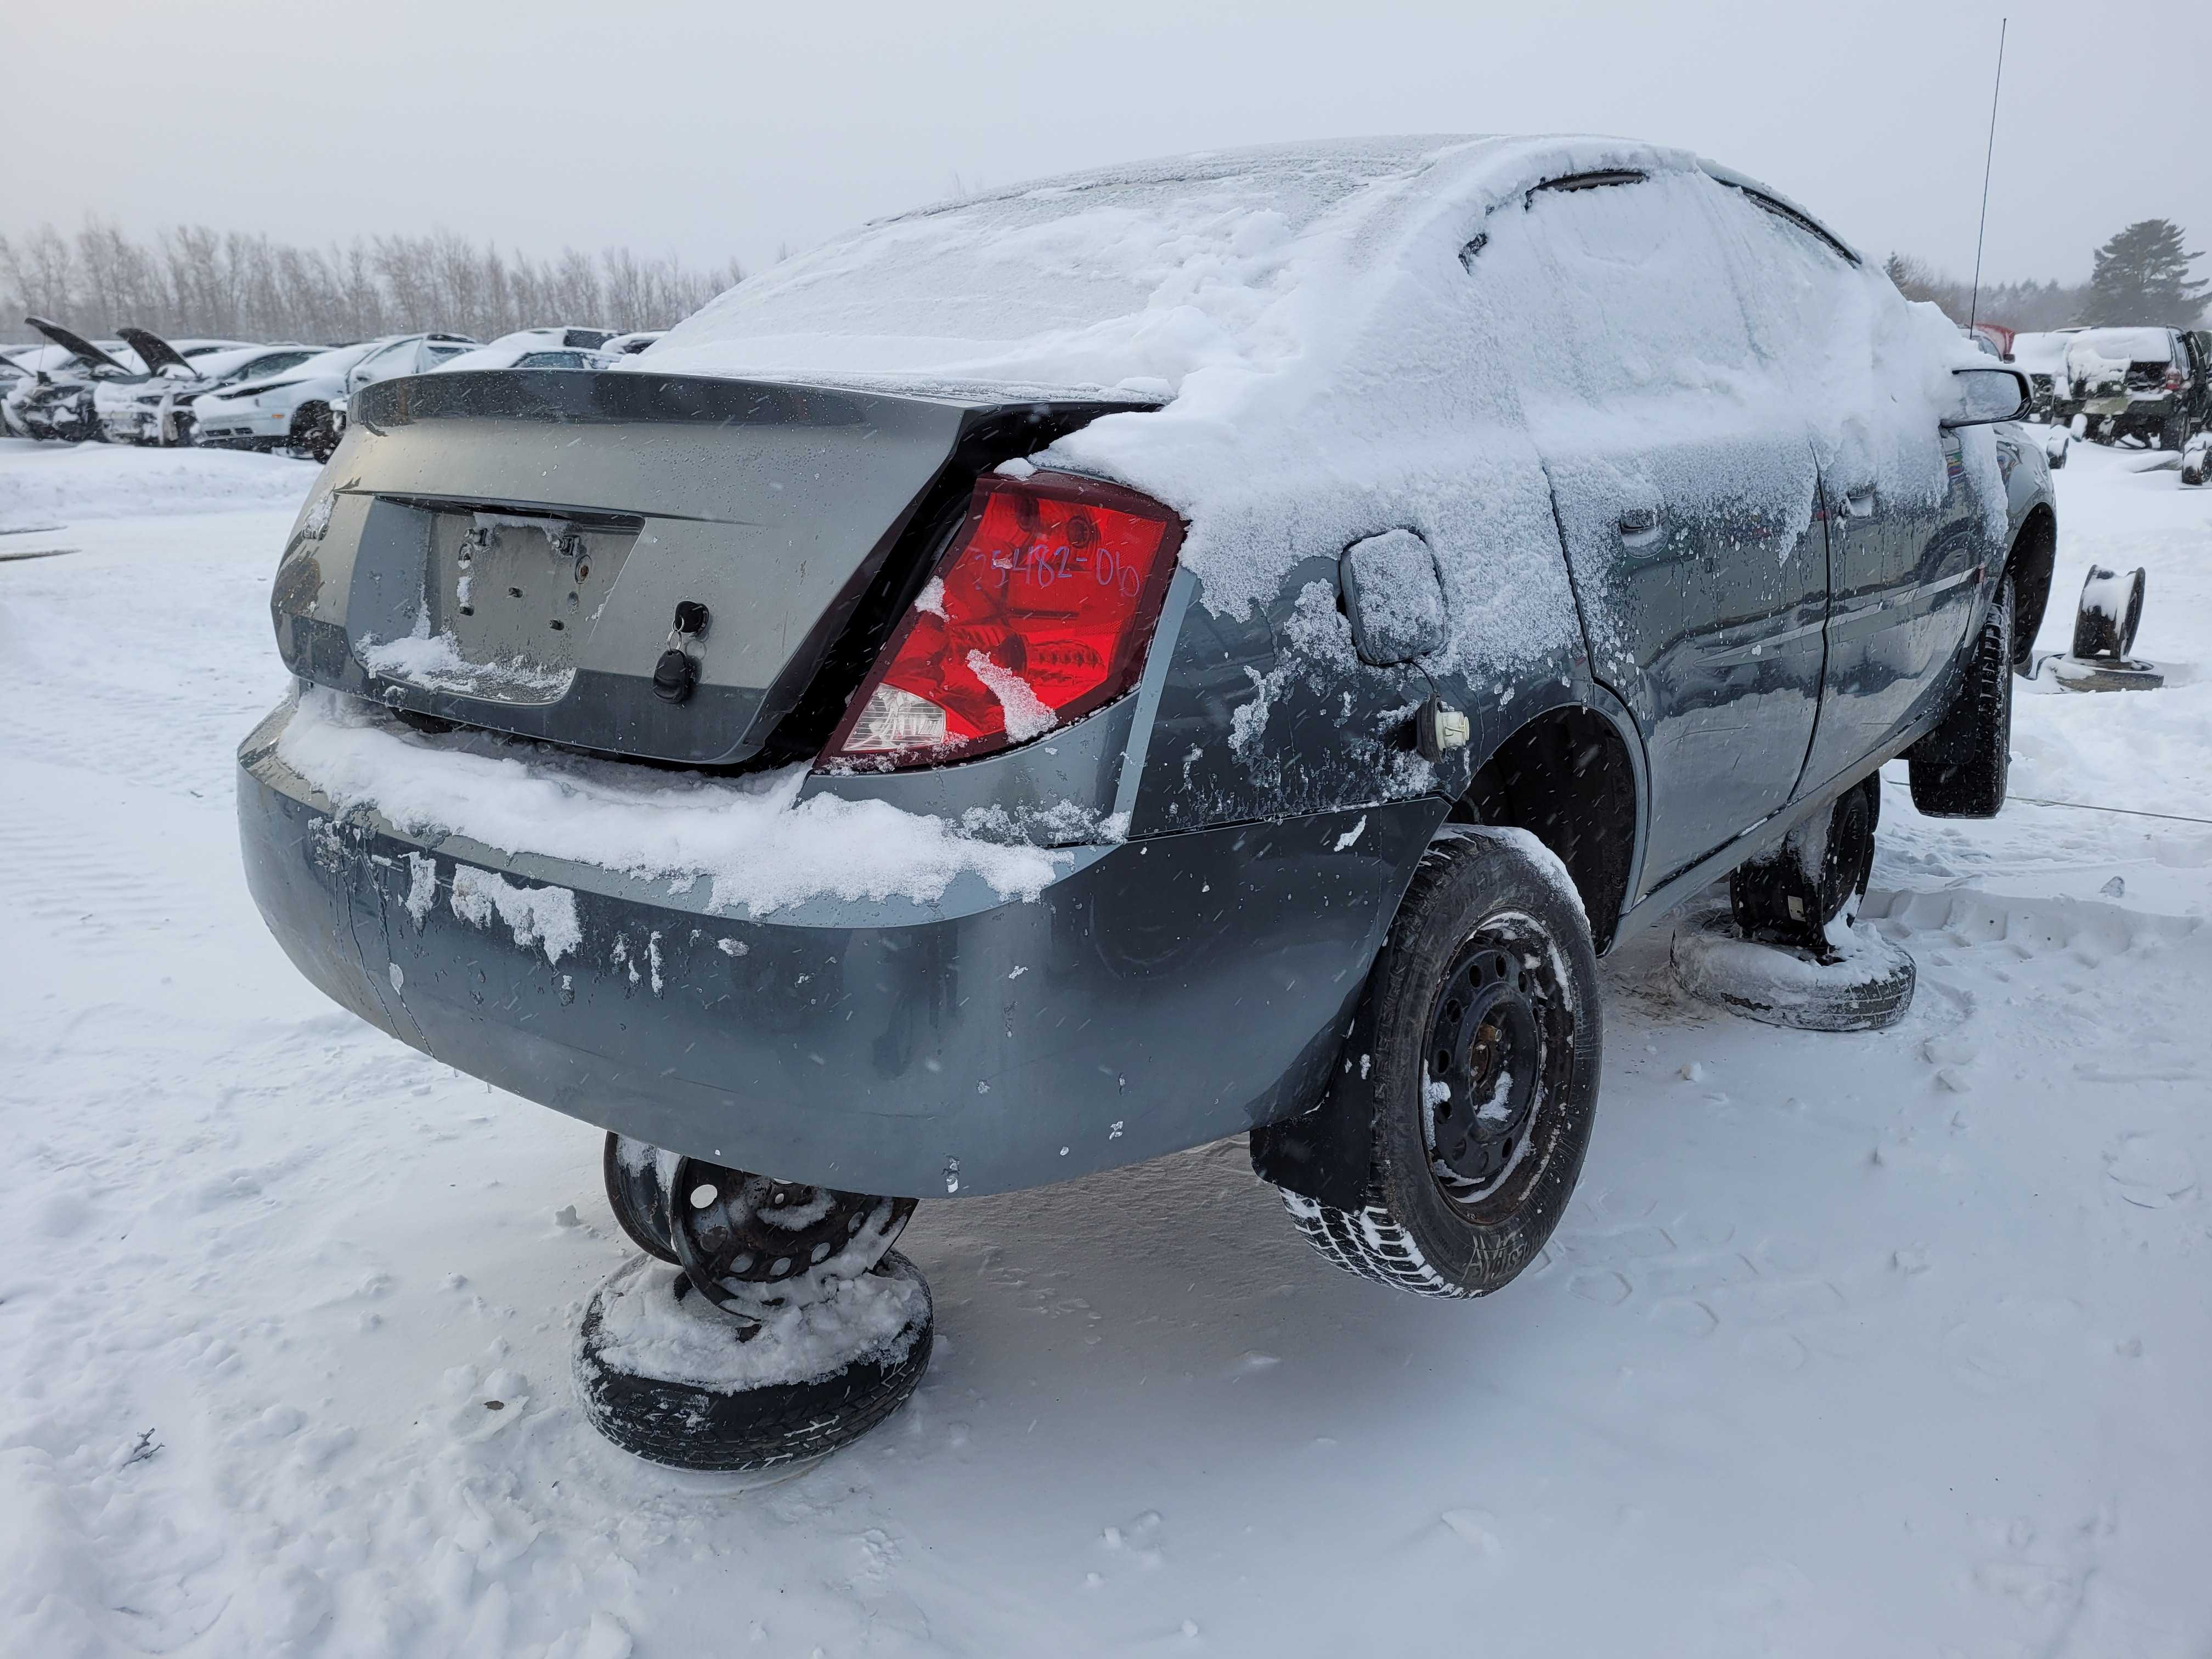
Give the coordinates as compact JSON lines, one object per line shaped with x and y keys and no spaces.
{"x":625,"y":345}
{"x":302,"y":409}
{"x":55,"y":402}
{"x":2151,"y":384}
{"x":2041,"y":356}
{"x":159,"y":410}
{"x":1209,"y":647}
{"x":536,"y":348}
{"x":88,"y":381}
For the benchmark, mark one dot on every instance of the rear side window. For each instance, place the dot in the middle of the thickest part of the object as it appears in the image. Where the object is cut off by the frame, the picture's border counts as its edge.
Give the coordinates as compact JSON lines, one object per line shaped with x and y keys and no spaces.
{"x":1801,"y":293}
{"x":1615,"y":291}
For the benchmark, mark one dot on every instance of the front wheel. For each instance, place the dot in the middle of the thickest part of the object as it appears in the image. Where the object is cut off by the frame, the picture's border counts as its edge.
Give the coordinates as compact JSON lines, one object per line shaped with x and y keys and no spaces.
{"x":1960,"y":770}
{"x":314,"y":434}
{"x":1474,"y":1058}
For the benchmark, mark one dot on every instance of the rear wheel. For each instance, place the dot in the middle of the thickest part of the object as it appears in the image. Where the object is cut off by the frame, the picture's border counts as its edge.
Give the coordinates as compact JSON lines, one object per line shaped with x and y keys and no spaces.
{"x":1959,"y":770}
{"x":2173,"y":433}
{"x":1474,"y":1058}
{"x":637,"y":1175}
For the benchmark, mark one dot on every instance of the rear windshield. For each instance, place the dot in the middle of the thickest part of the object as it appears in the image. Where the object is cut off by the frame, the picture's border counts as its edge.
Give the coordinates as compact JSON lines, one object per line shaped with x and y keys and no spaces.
{"x":953,"y":286}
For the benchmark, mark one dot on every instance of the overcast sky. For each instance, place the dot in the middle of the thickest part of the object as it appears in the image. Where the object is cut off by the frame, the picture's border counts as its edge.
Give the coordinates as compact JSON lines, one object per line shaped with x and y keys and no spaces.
{"x":733,"y":127}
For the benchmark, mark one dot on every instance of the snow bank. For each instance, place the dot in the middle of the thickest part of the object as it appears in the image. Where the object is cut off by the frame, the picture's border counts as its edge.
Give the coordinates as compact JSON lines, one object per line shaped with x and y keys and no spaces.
{"x":45,"y":483}
{"x":760,"y":846}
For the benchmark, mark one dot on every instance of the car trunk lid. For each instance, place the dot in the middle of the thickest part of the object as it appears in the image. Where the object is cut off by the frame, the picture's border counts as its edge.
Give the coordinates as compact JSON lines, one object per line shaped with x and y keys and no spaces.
{"x":510,"y":549}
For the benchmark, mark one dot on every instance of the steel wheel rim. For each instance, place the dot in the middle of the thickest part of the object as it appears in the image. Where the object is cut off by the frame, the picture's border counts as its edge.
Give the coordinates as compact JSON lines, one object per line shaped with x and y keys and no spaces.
{"x":1500,"y":1039}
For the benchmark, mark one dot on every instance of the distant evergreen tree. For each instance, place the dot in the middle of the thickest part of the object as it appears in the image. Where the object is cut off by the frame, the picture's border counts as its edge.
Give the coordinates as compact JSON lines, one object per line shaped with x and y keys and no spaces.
{"x":2141,"y":277}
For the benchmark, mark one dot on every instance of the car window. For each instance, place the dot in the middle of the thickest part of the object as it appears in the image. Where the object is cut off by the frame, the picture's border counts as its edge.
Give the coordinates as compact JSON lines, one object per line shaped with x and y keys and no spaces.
{"x":436,"y":351}
{"x":1614,"y":296}
{"x":552,"y":360}
{"x":397,"y":359}
{"x":1800,"y":297}
{"x":275,"y":363}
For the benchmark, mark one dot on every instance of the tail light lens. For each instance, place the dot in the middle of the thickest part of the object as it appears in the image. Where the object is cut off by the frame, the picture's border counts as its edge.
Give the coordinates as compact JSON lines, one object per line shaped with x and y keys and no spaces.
{"x":2173,"y":382}
{"x":1040,"y":614}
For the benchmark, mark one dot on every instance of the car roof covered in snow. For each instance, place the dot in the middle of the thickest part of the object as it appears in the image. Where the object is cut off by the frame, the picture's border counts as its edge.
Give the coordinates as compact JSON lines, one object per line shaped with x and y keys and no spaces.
{"x":2124,"y":345}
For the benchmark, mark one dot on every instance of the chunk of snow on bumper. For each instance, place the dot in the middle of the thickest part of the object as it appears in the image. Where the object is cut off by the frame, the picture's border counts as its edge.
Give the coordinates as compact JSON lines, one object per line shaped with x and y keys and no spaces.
{"x":544,"y":916}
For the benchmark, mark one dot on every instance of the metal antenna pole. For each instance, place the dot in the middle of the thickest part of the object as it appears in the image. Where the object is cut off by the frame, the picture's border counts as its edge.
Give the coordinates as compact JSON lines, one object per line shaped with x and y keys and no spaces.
{"x":1974,"y":305}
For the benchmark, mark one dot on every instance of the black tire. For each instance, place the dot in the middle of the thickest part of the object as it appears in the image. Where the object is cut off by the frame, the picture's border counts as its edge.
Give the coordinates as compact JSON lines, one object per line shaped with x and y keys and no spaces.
{"x":1791,"y":894}
{"x":1786,"y":985}
{"x":2192,"y":472}
{"x":1489,"y":969}
{"x":690,"y":1426}
{"x":638,"y":1195}
{"x":1959,"y":770}
{"x":314,"y":435}
{"x":2173,"y":433}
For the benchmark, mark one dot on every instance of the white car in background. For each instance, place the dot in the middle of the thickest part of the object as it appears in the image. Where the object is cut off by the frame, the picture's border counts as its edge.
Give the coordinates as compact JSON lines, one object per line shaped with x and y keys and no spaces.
{"x":303,"y":409}
{"x":159,"y":411}
{"x":539,"y":348}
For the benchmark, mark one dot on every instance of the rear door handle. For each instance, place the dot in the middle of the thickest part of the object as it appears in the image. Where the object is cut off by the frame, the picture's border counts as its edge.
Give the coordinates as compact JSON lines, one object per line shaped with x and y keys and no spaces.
{"x":1861,"y":502}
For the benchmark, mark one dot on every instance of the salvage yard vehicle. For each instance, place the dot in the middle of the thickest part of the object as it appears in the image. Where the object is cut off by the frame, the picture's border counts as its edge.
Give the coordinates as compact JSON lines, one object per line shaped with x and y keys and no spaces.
{"x":2042,"y":357}
{"x":159,"y":411}
{"x":2150,"y":383}
{"x":537,"y":347}
{"x":1216,"y":646}
{"x":303,"y":409}
{"x":56,"y":403}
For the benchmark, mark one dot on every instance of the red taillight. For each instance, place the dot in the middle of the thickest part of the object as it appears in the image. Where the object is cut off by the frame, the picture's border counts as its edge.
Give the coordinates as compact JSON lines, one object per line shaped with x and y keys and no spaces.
{"x":1040,"y":614}
{"x":2173,"y":382}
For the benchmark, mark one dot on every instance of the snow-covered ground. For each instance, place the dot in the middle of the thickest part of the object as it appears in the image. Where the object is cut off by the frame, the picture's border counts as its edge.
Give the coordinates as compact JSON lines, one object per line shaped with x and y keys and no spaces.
{"x":1895,"y":1344}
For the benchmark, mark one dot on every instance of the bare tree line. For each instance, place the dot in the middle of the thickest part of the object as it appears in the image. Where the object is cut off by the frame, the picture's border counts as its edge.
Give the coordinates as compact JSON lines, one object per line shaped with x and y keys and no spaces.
{"x":190,"y":280}
{"x":2031,"y":308}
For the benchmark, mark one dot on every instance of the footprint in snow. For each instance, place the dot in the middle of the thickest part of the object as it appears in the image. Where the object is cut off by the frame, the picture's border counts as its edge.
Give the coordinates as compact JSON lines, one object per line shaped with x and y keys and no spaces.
{"x":2150,"y":1172}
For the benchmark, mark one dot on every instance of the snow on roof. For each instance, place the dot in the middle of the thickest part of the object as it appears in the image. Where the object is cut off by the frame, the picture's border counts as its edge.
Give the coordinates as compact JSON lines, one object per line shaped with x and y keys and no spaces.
{"x":2042,"y":352}
{"x":2123,"y":345}
{"x":1126,"y":279}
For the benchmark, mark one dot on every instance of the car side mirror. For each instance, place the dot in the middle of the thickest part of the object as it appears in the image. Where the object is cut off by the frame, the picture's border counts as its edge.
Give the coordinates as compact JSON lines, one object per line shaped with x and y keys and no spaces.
{"x":1986,"y":395}
{"x":1394,"y":598}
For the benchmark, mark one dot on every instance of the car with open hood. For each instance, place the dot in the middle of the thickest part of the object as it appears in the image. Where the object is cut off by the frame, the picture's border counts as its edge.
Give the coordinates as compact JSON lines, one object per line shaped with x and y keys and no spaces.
{"x":158,"y":409}
{"x":55,"y":402}
{"x":301,"y":407}
{"x":1210,"y":648}
{"x":91,"y":383}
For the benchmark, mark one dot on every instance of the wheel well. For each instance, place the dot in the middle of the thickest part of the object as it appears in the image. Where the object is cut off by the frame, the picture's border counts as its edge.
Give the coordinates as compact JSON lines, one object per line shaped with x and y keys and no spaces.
{"x":1567,"y":779}
{"x":2033,"y":551}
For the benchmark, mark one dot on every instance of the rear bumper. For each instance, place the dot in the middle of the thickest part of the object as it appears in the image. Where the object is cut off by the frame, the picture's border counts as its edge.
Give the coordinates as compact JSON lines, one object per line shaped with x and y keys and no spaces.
{"x":1159,"y":994}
